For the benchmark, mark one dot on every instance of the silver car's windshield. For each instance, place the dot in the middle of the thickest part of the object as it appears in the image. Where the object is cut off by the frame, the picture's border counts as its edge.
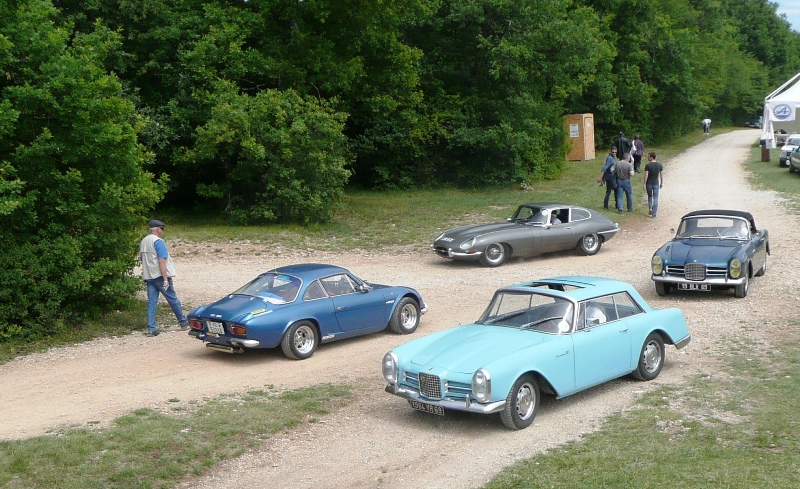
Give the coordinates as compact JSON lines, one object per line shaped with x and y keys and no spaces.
{"x":528,"y":310}
{"x":534,"y":215}
{"x":277,"y":288}
{"x":717,"y":227}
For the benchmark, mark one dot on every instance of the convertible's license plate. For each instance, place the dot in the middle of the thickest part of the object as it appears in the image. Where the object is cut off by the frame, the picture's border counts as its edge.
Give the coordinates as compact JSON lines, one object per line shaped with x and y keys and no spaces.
{"x":694,"y":287}
{"x":215,"y":327}
{"x":428,"y":408}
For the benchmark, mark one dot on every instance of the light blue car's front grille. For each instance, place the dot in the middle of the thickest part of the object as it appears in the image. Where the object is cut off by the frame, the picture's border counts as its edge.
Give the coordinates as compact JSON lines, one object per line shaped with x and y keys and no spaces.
{"x":431,"y":386}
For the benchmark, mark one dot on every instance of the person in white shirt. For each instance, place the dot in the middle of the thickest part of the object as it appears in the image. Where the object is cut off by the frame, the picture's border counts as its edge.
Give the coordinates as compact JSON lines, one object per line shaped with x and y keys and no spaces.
{"x":157,"y":273}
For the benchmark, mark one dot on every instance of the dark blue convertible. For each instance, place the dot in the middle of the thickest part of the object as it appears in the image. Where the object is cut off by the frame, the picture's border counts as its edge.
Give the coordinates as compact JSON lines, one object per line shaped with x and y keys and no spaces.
{"x":713,"y":249}
{"x":300,"y":306}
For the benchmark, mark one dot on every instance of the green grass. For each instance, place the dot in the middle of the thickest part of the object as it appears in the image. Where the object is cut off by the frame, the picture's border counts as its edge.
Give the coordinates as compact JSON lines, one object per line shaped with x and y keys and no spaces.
{"x":738,"y":430}
{"x":157,"y":450}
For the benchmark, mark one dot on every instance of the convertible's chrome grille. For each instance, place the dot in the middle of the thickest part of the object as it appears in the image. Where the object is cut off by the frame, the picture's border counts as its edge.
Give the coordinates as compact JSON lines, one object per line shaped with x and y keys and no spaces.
{"x":441,"y":251}
{"x":694,"y":271}
{"x":430,"y":386}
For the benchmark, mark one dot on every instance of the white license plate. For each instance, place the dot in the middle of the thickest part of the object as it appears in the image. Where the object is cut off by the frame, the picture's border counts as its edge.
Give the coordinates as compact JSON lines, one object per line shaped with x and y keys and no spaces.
{"x":428,"y":408}
{"x":215,"y":327}
{"x":694,"y":287}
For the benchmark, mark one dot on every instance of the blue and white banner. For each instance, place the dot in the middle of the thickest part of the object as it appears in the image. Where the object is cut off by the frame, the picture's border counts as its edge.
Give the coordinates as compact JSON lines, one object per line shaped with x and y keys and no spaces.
{"x":781,"y":111}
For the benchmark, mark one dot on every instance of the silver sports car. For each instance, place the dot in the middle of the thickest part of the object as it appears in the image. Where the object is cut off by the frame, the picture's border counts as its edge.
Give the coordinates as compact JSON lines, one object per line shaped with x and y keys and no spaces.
{"x":534,"y":229}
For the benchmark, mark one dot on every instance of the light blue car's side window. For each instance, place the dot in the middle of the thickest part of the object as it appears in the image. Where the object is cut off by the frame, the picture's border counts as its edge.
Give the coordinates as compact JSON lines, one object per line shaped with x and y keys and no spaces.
{"x":626,"y":307}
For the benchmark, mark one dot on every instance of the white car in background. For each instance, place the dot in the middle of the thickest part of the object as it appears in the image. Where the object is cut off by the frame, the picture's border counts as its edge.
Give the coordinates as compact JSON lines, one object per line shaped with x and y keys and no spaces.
{"x":792,"y":143}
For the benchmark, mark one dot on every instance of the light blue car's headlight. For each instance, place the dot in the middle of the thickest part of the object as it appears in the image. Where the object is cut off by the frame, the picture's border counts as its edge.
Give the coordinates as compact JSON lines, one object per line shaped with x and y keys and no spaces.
{"x":467,"y":244}
{"x":735,"y":268}
{"x":389,"y":367}
{"x":482,"y":385}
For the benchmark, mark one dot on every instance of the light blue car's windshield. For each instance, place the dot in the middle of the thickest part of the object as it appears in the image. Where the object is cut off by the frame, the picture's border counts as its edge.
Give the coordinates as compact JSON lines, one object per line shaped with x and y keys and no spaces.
{"x":535,"y":215}
{"x":529,"y":311}
{"x":275,"y":287}
{"x":714,"y":227}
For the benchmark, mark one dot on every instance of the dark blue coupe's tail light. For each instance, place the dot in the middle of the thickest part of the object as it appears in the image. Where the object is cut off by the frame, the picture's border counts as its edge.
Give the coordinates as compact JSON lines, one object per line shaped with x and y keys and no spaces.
{"x":237,"y":329}
{"x":196,"y":324}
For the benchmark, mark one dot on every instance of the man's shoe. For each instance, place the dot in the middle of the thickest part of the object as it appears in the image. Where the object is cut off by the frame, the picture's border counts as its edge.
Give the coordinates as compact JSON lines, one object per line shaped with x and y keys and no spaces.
{"x":152,"y":333}
{"x":184,"y":326}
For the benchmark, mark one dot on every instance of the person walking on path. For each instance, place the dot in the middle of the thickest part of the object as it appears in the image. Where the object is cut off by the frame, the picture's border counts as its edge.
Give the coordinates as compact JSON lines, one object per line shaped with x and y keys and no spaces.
{"x":157,"y":273}
{"x":622,"y":144}
{"x":637,"y":151}
{"x":624,"y":172}
{"x":608,"y":177}
{"x":653,"y":182}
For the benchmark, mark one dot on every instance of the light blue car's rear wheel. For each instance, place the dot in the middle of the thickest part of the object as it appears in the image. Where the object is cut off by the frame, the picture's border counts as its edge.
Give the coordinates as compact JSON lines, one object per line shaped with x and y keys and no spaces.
{"x":522,"y":403}
{"x":300,"y":340}
{"x":651,"y":358}
{"x":405,"y":317}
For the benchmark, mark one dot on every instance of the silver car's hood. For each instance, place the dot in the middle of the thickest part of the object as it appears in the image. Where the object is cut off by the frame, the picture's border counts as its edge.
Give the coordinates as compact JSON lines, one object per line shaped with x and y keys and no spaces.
{"x":458,"y":235}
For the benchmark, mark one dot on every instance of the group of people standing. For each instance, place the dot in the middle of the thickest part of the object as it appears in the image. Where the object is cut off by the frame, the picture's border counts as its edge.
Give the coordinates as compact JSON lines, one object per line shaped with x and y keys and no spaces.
{"x":616,"y":174}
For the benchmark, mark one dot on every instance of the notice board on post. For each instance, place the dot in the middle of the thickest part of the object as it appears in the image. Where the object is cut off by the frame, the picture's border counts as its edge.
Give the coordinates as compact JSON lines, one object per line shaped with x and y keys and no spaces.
{"x":580,"y":134}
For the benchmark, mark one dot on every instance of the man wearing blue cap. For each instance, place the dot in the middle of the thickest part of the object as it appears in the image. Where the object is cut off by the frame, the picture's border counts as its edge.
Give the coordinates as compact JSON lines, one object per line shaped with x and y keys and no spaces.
{"x":157,"y":273}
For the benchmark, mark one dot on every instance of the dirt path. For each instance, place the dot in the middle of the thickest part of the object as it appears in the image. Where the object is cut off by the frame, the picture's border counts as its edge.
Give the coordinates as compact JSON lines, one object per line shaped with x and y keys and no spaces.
{"x":379,"y":441}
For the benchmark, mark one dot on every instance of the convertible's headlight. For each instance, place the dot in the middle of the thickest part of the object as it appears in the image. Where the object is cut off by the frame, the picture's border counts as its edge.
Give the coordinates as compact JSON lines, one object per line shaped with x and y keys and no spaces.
{"x":657,"y":265}
{"x":389,"y":367}
{"x":482,"y":385}
{"x":467,"y":244}
{"x":736,"y":268}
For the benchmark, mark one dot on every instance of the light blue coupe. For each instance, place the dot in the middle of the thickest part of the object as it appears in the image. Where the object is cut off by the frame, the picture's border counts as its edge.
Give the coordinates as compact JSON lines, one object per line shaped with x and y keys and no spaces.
{"x":558,"y":336}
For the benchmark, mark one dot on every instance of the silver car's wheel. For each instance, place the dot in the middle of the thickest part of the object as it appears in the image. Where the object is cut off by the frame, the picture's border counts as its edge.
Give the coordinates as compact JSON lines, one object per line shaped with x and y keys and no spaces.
{"x":589,"y":244}
{"x":521,"y":404}
{"x":651,"y":358}
{"x":494,"y":255}
{"x":740,"y":290}
{"x":300,"y":341}
{"x":405,"y":317}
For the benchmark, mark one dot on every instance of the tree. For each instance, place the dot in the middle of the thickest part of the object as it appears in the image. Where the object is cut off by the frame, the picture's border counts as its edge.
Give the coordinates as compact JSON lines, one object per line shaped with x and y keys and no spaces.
{"x":72,"y":181}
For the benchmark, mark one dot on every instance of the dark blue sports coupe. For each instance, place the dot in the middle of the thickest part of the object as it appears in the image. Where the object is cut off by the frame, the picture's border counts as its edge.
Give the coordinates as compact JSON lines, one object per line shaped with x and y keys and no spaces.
{"x":713,"y":249}
{"x":300,"y":306}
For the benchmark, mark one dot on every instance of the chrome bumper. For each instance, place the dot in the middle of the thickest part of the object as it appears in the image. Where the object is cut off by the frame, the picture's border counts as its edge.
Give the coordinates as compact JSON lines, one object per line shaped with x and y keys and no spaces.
{"x":466,"y":405}
{"x":683,"y":342}
{"x":724,"y":282}
{"x":245,"y":343}
{"x":459,"y":254}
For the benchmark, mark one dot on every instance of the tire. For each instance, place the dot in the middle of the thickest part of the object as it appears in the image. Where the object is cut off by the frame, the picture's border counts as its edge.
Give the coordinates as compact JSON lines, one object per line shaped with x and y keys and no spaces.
{"x":495,"y":255}
{"x":405,"y":317}
{"x":740,"y":291}
{"x":522,"y":403}
{"x":763,"y":269}
{"x":300,"y":341}
{"x":651,"y":358}
{"x":589,"y":244}
{"x":662,"y":289}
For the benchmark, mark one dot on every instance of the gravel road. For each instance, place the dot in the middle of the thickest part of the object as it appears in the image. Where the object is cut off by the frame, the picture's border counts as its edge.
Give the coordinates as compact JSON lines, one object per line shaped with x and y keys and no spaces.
{"x":378,"y":441}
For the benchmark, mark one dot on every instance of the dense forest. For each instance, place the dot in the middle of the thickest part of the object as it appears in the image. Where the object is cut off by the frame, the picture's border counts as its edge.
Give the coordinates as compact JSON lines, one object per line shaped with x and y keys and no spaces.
{"x":266,"y":110}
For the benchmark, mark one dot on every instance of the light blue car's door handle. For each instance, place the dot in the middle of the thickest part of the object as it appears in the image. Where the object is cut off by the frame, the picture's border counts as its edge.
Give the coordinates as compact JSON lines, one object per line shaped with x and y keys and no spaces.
{"x":562,"y":354}
{"x":624,"y":330}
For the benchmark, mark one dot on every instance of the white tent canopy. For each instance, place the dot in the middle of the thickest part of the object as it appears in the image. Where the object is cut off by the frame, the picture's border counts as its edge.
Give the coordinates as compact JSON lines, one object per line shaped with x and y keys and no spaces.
{"x":780,"y":106}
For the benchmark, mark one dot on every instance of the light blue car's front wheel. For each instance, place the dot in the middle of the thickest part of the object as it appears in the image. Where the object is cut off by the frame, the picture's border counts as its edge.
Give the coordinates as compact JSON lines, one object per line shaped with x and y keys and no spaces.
{"x":522,"y":403}
{"x":300,"y":340}
{"x":651,"y":358}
